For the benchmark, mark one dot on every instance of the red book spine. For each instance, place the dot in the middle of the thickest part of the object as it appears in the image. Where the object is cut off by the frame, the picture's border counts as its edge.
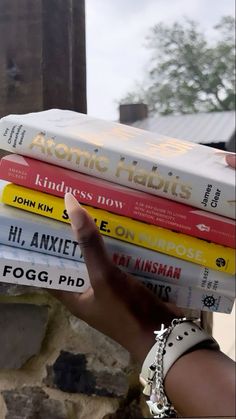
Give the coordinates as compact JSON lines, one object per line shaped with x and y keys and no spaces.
{"x":118,"y":199}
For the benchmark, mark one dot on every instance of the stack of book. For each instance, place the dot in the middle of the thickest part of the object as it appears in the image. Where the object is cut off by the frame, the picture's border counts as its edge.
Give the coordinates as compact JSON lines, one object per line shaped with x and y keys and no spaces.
{"x":166,"y":207}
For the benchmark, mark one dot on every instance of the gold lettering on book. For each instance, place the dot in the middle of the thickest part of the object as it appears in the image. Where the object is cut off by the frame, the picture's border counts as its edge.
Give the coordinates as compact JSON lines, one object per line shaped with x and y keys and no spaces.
{"x":64,"y":152}
{"x":61,"y":151}
{"x":124,"y":133}
{"x":170,"y":147}
{"x":153,"y":179}
{"x":118,"y":132}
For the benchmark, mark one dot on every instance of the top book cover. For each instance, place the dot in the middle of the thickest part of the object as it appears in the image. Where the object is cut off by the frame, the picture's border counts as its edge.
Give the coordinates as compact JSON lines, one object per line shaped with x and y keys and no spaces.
{"x":179,"y":170}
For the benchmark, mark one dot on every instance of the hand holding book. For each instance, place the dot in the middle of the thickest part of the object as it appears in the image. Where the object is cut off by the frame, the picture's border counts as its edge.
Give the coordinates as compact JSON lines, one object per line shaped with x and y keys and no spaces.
{"x":122,"y":308}
{"x":116,"y":303}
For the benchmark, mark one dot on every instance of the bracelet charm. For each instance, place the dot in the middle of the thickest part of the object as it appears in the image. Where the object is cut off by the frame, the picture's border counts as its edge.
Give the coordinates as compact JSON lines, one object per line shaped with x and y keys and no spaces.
{"x":158,"y":404}
{"x":172,"y":342}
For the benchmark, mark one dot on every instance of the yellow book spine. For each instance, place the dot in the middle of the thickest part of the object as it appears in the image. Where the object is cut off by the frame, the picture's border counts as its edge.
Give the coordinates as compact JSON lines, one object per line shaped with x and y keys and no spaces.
{"x":179,"y":245}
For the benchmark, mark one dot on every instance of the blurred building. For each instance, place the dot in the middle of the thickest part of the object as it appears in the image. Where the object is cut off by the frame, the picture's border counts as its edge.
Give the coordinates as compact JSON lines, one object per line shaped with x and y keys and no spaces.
{"x":215,"y":129}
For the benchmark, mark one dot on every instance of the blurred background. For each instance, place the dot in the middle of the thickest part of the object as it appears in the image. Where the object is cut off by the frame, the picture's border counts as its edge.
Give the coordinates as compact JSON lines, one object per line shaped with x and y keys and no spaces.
{"x":134,"y":45}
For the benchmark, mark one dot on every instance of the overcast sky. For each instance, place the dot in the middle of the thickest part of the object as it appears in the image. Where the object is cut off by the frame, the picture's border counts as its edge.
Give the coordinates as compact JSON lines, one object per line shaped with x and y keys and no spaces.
{"x":116,"y":53}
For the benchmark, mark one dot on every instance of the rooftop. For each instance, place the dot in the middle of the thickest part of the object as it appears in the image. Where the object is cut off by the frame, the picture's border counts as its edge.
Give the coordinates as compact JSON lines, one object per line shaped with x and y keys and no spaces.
{"x":199,"y":127}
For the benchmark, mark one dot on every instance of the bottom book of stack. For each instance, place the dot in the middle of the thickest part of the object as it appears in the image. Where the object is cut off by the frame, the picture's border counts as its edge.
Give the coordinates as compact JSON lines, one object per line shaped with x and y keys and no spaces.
{"x":26,"y":267}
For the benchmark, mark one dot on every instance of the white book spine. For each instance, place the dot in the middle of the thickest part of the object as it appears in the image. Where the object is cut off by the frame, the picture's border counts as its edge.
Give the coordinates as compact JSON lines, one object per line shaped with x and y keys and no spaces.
{"x":188,"y":297}
{"x":179,"y":170}
{"x":36,"y":233}
{"x":24,"y":267}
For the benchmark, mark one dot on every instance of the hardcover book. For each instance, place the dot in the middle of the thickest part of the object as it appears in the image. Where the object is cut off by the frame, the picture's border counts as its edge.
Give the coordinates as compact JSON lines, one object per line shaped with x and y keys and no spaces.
{"x":179,"y":245}
{"x":118,"y":199}
{"x":178,"y":170}
{"x":24,"y":267}
{"x":33,"y":232}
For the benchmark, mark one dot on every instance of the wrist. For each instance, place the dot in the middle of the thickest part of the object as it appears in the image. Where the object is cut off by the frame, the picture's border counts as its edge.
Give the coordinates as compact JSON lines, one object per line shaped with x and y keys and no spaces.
{"x":140,"y":342}
{"x":202,"y":383}
{"x":172,"y":342}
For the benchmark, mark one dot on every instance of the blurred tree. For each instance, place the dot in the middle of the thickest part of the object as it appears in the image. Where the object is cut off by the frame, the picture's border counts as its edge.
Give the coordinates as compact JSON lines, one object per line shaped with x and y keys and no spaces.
{"x":187,"y":73}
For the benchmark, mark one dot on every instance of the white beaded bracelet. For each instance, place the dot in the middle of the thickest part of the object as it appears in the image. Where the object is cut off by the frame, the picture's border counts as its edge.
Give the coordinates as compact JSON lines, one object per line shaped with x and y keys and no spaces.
{"x":171,"y":343}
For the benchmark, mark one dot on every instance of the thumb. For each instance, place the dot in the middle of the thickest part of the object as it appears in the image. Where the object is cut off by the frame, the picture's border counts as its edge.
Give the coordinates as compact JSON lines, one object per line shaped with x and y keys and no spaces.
{"x":89,"y":240}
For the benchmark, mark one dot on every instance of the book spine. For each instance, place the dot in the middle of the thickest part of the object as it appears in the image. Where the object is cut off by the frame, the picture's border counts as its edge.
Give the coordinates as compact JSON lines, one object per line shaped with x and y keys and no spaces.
{"x":125,"y":229}
{"x":109,"y":196}
{"x":16,"y":267}
{"x":132,"y":157}
{"x":188,"y":297}
{"x":23,"y":267}
{"x":32,"y":232}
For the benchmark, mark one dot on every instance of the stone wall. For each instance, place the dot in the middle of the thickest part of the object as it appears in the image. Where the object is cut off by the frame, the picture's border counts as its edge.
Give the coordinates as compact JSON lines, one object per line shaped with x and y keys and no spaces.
{"x":54,"y":366}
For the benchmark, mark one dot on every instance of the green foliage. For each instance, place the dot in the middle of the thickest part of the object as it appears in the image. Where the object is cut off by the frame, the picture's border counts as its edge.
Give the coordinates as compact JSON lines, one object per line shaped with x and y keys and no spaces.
{"x":187,"y":73}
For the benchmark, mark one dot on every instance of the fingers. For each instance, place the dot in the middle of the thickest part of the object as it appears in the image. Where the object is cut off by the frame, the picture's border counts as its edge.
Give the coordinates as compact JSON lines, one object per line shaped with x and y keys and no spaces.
{"x":78,"y":304}
{"x":68,"y":298}
{"x":231,"y":160}
{"x":90,"y":241}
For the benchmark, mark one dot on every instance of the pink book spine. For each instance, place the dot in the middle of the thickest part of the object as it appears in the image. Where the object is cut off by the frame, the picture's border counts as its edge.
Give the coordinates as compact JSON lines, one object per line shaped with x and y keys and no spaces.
{"x":118,"y":199}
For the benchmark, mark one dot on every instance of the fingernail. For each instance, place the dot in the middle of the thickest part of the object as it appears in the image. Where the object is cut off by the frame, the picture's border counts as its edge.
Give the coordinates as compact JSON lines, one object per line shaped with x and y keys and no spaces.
{"x":75,"y":211}
{"x":231,"y":160}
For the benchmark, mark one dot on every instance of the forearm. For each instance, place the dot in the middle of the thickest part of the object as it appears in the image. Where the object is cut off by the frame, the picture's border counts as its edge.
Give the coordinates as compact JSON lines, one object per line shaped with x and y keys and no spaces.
{"x":202,"y":383}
